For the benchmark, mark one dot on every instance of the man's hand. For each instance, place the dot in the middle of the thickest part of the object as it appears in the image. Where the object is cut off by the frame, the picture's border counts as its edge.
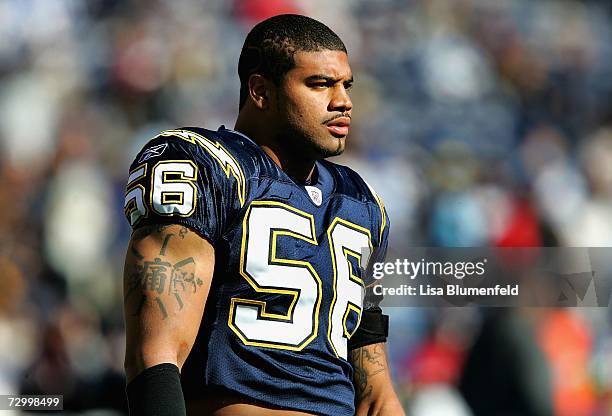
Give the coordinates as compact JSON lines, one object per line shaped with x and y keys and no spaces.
{"x":168,"y":272}
{"x":374,"y":394}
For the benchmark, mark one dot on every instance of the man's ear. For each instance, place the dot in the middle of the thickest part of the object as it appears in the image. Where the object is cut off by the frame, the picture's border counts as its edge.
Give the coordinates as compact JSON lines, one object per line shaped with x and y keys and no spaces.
{"x":259,"y":91}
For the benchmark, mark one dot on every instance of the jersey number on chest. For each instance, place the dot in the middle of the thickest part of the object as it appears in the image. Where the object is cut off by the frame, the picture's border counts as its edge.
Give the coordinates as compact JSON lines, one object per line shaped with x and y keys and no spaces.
{"x":254,"y":323}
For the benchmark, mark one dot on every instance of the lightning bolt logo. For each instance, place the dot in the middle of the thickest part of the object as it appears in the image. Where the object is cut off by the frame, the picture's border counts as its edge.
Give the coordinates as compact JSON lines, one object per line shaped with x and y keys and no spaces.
{"x":227,"y":162}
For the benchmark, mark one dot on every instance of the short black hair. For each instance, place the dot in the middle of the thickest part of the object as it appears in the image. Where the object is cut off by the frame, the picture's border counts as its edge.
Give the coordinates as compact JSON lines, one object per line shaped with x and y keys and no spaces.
{"x":269,"y":47}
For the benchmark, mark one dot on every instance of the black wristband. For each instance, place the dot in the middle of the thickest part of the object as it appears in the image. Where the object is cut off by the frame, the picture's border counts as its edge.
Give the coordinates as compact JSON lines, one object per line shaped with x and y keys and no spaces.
{"x":157,"y":391}
{"x":373,"y":328}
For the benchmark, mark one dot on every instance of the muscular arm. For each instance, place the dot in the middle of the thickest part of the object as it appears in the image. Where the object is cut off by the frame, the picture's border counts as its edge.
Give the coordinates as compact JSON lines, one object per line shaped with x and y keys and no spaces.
{"x":167,"y":276}
{"x":374,"y":394}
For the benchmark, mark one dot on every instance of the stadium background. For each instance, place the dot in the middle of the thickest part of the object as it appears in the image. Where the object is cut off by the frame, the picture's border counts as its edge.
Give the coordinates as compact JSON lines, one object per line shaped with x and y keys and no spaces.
{"x":479,"y":122}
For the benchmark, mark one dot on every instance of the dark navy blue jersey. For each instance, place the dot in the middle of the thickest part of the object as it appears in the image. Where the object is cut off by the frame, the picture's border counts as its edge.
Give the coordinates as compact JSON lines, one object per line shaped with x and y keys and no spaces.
{"x":288,"y":285}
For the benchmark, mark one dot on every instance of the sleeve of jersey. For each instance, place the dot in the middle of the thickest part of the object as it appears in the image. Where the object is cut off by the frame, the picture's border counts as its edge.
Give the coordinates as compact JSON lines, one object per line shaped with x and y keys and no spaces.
{"x":175,"y":181}
{"x":374,"y":325}
{"x":379,"y":254}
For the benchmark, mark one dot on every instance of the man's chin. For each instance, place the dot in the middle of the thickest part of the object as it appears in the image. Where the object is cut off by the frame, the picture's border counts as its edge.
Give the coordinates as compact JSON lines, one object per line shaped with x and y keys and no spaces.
{"x":331,"y":150}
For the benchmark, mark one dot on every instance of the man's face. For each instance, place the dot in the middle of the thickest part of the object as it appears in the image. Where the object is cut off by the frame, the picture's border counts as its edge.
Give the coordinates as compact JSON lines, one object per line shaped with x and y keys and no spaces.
{"x":313,"y":104}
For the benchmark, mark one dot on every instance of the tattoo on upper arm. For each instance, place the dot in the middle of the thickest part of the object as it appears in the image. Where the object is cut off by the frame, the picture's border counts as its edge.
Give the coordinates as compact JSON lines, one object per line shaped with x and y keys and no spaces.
{"x":367,"y":362}
{"x":165,"y":244}
{"x":183,"y":232}
{"x":152,"y":277}
{"x":160,"y":228}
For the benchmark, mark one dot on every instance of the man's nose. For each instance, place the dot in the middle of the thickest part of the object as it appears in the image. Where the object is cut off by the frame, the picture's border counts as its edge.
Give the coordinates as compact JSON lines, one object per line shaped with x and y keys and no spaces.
{"x":341,"y":101}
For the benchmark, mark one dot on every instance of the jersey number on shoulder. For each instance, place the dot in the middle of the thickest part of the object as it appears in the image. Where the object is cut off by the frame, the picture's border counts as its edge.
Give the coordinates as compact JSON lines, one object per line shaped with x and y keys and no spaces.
{"x":173,"y":190}
{"x":252,"y":319}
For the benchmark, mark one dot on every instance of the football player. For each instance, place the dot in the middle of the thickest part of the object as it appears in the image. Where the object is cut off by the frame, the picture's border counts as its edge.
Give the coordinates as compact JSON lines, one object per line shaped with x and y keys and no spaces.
{"x":245,"y":270}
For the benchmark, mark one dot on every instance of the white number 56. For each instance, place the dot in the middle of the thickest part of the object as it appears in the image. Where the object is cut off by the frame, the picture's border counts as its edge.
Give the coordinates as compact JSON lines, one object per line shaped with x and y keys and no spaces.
{"x":253,"y":319}
{"x":173,"y":190}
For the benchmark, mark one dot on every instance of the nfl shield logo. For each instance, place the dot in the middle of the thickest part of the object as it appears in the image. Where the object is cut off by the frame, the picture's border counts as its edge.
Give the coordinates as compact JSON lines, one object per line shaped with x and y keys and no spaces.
{"x":315,"y":195}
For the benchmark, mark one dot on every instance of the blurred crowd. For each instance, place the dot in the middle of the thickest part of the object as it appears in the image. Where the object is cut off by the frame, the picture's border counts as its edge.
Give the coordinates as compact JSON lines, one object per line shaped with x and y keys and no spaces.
{"x":480,"y":123}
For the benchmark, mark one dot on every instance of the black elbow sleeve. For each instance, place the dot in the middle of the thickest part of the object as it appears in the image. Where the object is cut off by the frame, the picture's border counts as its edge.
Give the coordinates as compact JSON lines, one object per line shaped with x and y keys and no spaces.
{"x":157,"y":391}
{"x":373,"y":328}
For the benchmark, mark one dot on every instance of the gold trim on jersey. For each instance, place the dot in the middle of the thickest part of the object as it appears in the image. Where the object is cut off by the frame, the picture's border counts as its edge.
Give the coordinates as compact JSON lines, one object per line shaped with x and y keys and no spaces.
{"x":226,"y":160}
{"x":383,"y":212}
{"x":351,"y":307}
{"x":346,"y":252}
{"x":130,"y":205}
{"x":183,"y":178}
{"x":359,"y":281}
{"x":274,"y":260}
